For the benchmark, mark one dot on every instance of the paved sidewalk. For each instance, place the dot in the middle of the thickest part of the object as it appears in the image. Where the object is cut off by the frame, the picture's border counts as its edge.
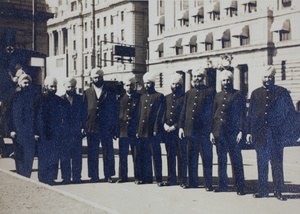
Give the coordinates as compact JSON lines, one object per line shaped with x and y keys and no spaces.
{"x":129,"y":198}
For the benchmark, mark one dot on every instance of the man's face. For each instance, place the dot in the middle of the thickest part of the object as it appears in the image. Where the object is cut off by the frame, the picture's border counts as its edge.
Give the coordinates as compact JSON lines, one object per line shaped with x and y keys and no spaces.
{"x":70,"y":88}
{"x":148,"y":85}
{"x":51,"y":88}
{"x":197,"y":79}
{"x":226,"y":83}
{"x":129,"y":88}
{"x":268,"y":80}
{"x":175,"y":87}
{"x":97,"y":80}
{"x":25,"y":84}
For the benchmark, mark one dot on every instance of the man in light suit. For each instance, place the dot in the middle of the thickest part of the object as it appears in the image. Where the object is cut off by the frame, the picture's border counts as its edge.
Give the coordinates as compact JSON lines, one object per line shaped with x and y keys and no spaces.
{"x":227,"y":127}
{"x":150,"y":128}
{"x":101,"y":122}
{"x":194,"y":125}
{"x":270,"y":107}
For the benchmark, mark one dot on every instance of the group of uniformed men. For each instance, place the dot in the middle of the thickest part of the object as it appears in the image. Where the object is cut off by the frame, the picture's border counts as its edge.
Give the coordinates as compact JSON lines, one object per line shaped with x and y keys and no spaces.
{"x":188,"y":123}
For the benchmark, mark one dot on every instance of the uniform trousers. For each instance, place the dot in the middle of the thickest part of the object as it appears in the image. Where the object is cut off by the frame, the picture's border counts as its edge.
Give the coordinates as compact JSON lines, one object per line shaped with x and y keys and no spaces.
{"x":227,"y":143}
{"x":176,"y":147}
{"x":273,"y":152}
{"x":71,"y":158}
{"x":24,"y":150}
{"x":94,"y":140}
{"x":134,"y":144}
{"x":194,"y":145}
{"x":152,"y":143}
{"x":48,"y":158}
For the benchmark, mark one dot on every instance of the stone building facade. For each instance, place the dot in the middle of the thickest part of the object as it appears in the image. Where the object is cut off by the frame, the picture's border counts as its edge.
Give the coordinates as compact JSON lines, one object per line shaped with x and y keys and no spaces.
{"x":83,"y":34}
{"x":186,"y":34}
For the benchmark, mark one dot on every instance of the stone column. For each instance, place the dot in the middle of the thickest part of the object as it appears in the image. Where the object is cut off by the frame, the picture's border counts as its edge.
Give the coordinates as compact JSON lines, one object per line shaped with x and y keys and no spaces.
{"x":236,"y":78}
{"x":218,"y":81}
{"x":188,"y":77}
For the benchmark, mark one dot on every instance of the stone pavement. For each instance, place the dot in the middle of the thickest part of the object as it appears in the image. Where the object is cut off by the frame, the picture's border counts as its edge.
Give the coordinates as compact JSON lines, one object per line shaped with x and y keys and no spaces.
{"x":129,"y":198}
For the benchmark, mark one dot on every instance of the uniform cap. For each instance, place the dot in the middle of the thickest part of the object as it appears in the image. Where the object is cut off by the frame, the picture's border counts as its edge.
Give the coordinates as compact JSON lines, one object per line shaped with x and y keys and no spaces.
{"x":50,"y":80}
{"x":149,"y":77}
{"x":198,"y":71}
{"x":226,"y":74}
{"x":71,"y":80}
{"x":24,"y":77}
{"x":176,"y":78}
{"x":96,"y":72}
{"x":130,"y":78}
{"x":269,"y":70}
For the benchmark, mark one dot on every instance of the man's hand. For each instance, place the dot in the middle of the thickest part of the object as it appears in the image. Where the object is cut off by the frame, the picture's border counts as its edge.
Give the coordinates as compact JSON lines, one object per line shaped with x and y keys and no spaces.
{"x":239,"y":137}
{"x":172,"y":128}
{"x":36,"y":137}
{"x":167,"y":127}
{"x":181,"y":134}
{"x":249,"y":139}
{"x":83,"y":132}
{"x":13,"y":134}
{"x":212,"y":138}
{"x":154,"y":134}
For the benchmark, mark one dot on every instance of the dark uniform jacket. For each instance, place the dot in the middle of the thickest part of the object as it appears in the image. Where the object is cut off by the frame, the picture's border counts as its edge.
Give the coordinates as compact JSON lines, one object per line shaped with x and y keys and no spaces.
{"x":229,"y":112}
{"x":128,"y":116}
{"x":195,"y":117}
{"x":48,"y":117}
{"x":102,"y":112}
{"x":73,"y":116}
{"x":269,"y":108}
{"x":150,"y":114}
{"x":173,"y":109}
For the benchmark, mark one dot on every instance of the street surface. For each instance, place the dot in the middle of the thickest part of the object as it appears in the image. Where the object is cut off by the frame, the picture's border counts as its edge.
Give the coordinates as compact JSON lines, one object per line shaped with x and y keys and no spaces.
{"x":129,"y":198}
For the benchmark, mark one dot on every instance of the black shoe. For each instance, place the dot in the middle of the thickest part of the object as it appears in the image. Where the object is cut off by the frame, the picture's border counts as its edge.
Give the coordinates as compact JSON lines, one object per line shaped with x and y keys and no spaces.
{"x":160,"y":184}
{"x":94,"y":179}
{"x":220,"y":190}
{"x":121,"y":181}
{"x":169,"y":184}
{"x":182,"y":185}
{"x":279,"y":196}
{"x":240,"y":192}
{"x":209,"y":189}
{"x":77,"y":181}
{"x":66,"y":181}
{"x":108,"y":180}
{"x":189,"y":186}
{"x":259,"y":195}
{"x":139,"y":182}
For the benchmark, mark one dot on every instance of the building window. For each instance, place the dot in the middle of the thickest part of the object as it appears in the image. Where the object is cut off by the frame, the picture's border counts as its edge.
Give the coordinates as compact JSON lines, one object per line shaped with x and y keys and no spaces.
{"x":85,"y":3}
{"x":86,"y":62}
{"x":98,"y":40}
{"x":105,"y":59}
{"x":98,"y":59}
{"x":160,"y":53}
{"x":85,"y":43}
{"x":231,"y":12}
{"x":286,"y":3}
{"x":122,"y":35}
{"x":208,"y":46}
{"x":184,"y":22}
{"x":179,"y":50}
{"x":214,"y":16}
{"x":160,"y":29}
{"x":283,"y":74}
{"x":244,"y":40}
{"x":74,"y":29}
{"x":184,"y":5}
{"x":250,"y":7}
{"x":122,"y":16}
{"x":73,"y":5}
{"x":198,"y":19}
{"x":111,"y":20}
{"x":244,"y":79}
{"x":98,"y":23}
{"x":193,"y":48}
{"x":226,"y":43}
{"x":160,"y":7}
{"x":284,"y":35}
{"x":105,"y":38}
{"x":112,"y":58}
{"x":74,"y":45}
{"x":104,"y":21}
{"x":85,"y":26}
{"x":112,"y":37}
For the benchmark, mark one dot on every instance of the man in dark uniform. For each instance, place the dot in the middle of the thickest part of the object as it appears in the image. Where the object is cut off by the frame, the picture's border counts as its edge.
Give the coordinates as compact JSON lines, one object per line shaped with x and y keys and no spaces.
{"x":128,"y":120}
{"x":270,"y":107}
{"x":20,"y":117}
{"x":227,"y":127}
{"x":101,"y":120}
{"x":72,"y":131}
{"x":150,"y":128}
{"x":47,"y":131}
{"x":194,"y":124}
{"x":174,"y":146}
